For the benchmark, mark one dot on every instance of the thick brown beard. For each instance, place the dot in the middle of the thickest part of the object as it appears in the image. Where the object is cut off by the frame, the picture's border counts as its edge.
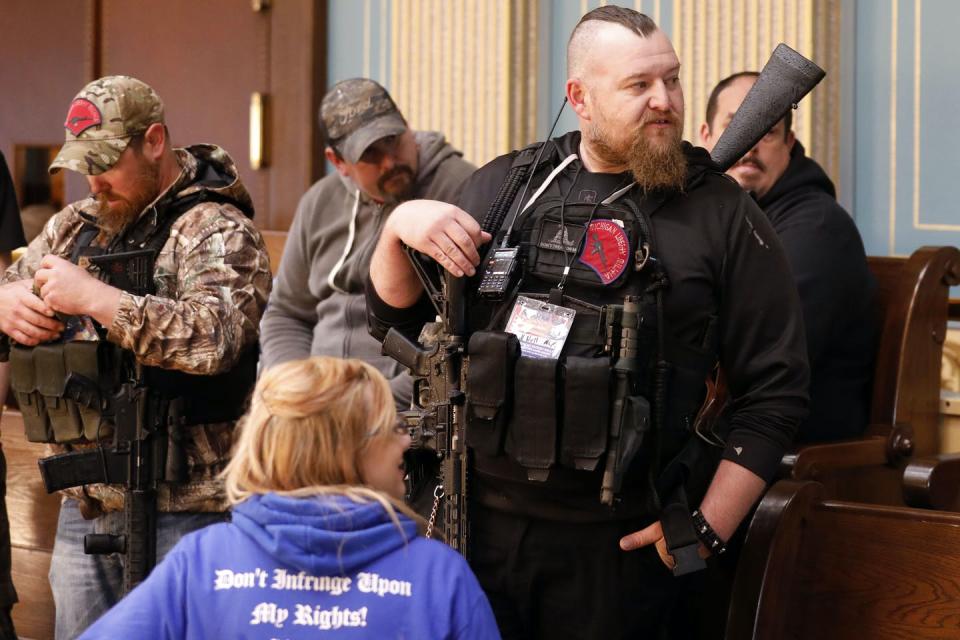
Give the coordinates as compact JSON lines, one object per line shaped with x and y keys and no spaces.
{"x":605,"y":148}
{"x":658,"y":166}
{"x":654,"y":166}
{"x":114,"y":218}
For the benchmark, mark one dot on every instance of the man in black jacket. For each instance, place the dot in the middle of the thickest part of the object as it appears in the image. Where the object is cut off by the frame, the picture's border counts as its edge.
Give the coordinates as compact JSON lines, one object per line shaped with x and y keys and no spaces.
{"x":619,"y":208}
{"x":826,"y":258}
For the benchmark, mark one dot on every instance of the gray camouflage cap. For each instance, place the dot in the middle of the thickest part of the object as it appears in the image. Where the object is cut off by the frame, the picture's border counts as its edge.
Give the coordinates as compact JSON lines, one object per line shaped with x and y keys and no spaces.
{"x":358,"y":112}
{"x":101,"y":120}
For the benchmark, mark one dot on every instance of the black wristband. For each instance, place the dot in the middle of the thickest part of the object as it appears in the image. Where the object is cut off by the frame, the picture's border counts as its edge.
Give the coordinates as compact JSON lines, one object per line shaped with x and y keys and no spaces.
{"x":706,"y":534}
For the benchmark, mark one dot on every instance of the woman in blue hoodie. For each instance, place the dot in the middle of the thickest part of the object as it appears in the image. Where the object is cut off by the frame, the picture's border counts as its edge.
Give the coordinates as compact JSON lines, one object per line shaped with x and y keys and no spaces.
{"x":320,"y":539}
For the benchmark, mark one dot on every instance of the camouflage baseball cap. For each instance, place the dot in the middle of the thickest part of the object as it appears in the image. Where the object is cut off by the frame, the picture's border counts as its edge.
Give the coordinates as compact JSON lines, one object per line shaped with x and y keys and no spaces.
{"x":357,"y":113}
{"x":101,"y":120}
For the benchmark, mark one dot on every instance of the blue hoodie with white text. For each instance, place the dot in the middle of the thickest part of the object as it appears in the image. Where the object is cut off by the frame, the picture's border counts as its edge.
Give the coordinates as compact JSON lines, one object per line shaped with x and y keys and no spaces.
{"x":289,"y":568}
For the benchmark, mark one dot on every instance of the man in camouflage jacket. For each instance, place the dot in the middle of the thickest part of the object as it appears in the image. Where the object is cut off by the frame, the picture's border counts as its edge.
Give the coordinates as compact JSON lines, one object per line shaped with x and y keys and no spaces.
{"x":211,"y":278}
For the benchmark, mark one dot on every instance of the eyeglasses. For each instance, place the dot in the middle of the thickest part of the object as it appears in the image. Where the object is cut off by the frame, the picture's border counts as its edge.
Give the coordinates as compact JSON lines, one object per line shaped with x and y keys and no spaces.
{"x":398,"y":428}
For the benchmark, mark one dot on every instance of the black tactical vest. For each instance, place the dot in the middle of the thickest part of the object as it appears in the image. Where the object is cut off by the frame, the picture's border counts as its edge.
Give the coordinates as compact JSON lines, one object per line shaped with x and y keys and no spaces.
{"x":551,"y":415}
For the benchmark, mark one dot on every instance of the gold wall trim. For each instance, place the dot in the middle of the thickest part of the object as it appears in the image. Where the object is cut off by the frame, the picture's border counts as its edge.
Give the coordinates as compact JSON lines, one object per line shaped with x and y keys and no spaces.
{"x":892,"y":178}
{"x":383,"y":43}
{"x":366,"y":38}
{"x":467,"y":68}
{"x":917,"y":71}
{"x":721,"y":37}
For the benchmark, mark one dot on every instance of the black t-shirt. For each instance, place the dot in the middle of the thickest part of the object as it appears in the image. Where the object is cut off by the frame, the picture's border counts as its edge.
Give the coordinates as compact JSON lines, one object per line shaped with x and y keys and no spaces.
{"x":723,"y":261}
{"x":11,"y":230}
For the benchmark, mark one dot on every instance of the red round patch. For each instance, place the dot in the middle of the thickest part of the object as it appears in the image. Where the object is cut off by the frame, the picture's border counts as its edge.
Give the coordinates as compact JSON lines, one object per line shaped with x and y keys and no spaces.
{"x":82,"y":115}
{"x":606,"y":249}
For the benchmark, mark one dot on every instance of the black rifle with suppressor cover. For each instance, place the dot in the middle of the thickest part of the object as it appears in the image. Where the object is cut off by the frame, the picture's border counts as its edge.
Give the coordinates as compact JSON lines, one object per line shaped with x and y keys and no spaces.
{"x":139,"y":455}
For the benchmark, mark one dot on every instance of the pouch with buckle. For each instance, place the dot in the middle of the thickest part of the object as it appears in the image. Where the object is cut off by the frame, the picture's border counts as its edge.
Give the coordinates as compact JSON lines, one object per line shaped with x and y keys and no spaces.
{"x":51,"y":374}
{"x":493,"y":355}
{"x":532,"y":432}
{"x":596,"y":245}
{"x":81,"y":360}
{"x":586,"y":412}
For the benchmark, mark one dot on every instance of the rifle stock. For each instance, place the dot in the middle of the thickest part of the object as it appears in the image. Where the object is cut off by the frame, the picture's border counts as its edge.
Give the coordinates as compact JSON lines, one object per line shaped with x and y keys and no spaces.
{"x":784,"y":81}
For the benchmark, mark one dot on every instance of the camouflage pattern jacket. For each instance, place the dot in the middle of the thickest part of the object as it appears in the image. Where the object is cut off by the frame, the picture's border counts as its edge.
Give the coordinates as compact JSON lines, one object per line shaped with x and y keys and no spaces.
{"x":212,"y":279}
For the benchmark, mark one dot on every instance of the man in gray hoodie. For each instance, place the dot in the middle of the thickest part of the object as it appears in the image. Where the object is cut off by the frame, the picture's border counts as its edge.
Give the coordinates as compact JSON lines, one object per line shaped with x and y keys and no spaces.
{"x":317,"y":306}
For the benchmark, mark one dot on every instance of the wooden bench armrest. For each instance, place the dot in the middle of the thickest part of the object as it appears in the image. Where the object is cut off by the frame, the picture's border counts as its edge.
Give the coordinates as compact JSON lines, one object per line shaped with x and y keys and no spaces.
{"x":933,"y":482}
{"x":883,"y":445}
{"x":807,"y":463}
{"x":810,"y":461}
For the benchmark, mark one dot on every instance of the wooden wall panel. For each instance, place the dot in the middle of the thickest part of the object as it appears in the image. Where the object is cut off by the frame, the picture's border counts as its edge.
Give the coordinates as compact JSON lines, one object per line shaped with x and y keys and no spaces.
{"x":34,"y":615}
{"x":46,"y":57}
{"x":33,"y":526}
{"x":297,"y":84}
{"x":204,"y":59}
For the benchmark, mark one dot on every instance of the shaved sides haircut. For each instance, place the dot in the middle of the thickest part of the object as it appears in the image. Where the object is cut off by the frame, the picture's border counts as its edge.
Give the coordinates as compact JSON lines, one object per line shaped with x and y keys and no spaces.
{"x":590,"y":24}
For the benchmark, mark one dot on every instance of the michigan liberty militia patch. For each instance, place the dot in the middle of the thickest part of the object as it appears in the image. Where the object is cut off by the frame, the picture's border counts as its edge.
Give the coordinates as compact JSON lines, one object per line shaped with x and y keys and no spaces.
{"x":606,"y":250}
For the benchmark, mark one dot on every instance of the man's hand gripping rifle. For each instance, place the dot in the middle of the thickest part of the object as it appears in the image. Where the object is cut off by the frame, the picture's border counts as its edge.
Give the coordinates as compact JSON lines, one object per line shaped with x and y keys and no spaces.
{"x":437,"y":421}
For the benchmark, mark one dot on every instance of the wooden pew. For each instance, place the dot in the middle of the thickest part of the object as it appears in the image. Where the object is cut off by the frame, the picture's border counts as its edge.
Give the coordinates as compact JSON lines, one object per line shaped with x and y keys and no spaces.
{"x":33,"y":526}
{"x":913,"y":301}
{"x":815,"y":568}
{"x":933,"y":482}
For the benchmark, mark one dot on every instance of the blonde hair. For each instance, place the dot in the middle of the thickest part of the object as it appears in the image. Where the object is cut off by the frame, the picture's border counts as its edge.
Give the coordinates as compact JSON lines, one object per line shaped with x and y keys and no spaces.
{"x":305,"y":432}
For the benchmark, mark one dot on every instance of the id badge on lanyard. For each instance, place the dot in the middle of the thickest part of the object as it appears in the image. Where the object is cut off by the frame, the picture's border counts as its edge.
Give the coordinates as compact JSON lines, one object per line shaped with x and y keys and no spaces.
{"x":542,"y":328}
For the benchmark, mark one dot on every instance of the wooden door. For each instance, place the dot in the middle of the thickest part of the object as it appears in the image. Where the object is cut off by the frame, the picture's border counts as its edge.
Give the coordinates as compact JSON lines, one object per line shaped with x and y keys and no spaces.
{"x":204,"y":59}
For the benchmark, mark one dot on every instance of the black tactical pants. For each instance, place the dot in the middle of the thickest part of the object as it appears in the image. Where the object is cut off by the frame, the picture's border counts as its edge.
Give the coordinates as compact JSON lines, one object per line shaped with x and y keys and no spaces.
{"x":558,"y":580}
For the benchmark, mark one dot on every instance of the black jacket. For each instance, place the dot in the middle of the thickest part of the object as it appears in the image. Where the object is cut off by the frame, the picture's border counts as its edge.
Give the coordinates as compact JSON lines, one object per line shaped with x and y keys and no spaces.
{"x":722,"y":259}
{"x":837,"y":292}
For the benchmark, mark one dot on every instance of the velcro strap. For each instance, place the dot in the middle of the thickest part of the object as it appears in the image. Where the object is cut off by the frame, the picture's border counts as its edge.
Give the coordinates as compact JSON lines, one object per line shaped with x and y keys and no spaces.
{"x":681,"y":539}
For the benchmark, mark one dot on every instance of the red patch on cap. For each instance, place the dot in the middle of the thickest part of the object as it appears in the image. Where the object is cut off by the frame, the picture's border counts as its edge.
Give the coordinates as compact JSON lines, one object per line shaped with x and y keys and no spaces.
{"x":606,"y":249}
{"x":82,"y":115}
